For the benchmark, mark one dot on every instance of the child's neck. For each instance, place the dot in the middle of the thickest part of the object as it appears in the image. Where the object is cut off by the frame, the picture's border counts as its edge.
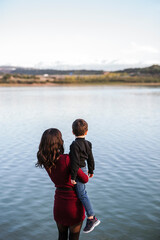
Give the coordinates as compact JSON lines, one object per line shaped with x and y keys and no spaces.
{"x":83,"y":136}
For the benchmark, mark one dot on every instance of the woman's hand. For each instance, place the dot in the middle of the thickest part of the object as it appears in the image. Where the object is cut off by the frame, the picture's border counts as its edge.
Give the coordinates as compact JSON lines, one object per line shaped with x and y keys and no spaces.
{"x":73,"y":182}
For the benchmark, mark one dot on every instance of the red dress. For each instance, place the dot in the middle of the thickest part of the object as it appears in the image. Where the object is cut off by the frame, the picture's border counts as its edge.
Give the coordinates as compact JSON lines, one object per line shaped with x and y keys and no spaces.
{"x":68,"y":210}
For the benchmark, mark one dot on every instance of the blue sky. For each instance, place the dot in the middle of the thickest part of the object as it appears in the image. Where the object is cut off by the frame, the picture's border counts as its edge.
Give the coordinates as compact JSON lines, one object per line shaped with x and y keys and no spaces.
{"x":95,"y":34}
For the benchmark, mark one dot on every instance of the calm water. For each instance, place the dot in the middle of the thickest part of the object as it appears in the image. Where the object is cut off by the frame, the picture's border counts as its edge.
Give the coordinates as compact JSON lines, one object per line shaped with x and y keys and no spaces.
{"x":124,"y":128}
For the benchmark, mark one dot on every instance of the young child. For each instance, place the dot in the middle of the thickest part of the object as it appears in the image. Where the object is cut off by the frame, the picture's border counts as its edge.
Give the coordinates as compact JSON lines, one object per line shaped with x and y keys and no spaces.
{"x":81,"y":151}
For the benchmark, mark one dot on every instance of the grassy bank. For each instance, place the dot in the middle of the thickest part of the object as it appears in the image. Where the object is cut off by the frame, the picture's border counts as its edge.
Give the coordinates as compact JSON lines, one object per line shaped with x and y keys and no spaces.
{"x":109,"y":78}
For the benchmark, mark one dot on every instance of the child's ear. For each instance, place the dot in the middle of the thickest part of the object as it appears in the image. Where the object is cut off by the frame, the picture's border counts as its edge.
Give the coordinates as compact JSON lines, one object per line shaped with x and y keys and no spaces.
{"x":86,"y":132}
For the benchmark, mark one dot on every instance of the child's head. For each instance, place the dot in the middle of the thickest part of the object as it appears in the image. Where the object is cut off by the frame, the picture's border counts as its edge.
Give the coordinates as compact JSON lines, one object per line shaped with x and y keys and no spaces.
{"x":79,"y":127}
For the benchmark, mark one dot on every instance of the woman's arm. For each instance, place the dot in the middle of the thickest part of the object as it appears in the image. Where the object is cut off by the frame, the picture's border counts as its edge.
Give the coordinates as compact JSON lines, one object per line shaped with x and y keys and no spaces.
{"x":82,"y":176}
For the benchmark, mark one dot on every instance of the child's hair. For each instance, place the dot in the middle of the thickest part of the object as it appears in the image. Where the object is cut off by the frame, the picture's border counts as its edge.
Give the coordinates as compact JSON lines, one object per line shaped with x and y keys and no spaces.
{"x":50,"y":148}
{"x":79,"y":127}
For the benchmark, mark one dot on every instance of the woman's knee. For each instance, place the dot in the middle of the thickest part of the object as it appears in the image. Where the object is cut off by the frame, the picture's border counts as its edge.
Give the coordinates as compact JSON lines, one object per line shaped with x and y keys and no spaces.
{"x":76,"y":228}
{"x":74,"y":231}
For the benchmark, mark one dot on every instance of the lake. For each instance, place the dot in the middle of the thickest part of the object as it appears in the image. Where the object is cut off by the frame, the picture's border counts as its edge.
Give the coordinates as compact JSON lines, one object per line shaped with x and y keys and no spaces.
{"x":124,"y":128}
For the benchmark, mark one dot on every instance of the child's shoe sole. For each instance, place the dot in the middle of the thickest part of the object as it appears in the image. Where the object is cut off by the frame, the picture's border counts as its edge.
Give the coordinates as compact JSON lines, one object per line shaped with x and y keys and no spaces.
{"x":92,"y":228}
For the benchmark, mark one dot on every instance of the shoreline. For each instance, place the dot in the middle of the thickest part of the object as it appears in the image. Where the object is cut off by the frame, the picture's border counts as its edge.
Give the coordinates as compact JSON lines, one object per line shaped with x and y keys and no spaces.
{"x":77,"y":84}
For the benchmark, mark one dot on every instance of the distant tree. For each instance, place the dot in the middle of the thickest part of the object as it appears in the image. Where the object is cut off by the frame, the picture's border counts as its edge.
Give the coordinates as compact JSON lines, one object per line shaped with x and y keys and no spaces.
{"x":6,"y":78}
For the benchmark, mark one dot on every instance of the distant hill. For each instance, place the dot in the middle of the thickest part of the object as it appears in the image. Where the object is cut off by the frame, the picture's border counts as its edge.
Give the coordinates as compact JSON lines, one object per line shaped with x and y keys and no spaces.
{"x":34,"y":71}
{"x":152,"y":70}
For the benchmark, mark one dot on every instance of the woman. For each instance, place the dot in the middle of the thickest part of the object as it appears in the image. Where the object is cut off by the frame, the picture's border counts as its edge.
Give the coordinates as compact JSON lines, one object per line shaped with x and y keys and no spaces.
{"x":68,"y":211}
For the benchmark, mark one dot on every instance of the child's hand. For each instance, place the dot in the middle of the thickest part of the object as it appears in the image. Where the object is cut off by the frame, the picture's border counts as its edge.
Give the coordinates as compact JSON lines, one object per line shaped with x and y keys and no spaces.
{"x":90,"y":175}
{"x":73,"y":182}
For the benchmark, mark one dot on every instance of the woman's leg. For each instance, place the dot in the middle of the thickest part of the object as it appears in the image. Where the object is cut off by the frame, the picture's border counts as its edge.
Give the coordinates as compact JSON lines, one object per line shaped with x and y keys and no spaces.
{"x":74,"y":231}
{"x":63,"y":232}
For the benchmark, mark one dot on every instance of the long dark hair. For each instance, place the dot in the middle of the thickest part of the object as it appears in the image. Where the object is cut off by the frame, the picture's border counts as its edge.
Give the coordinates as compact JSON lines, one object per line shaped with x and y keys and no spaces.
{"x":50,"y":148}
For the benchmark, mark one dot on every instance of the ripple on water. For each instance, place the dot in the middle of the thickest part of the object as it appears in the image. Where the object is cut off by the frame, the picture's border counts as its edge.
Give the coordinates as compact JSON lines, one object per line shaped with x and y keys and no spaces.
{"x":125,"y":137}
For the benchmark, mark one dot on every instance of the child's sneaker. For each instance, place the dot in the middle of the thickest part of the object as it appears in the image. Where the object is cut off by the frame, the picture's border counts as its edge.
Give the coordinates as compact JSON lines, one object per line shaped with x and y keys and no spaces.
{"x":91,"y":224}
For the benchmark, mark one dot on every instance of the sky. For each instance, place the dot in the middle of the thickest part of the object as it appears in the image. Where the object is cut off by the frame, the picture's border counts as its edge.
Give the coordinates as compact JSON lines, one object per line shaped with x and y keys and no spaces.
{"x":72,"y":34}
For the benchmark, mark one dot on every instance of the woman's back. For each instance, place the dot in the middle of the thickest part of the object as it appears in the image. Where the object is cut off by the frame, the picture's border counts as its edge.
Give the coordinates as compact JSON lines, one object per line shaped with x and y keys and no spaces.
{"x":68,"y":210}
{"x":60,"y":175}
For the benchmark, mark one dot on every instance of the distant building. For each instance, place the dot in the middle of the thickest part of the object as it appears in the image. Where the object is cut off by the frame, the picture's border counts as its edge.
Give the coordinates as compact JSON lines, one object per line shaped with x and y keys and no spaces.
{"x":45,"y":75}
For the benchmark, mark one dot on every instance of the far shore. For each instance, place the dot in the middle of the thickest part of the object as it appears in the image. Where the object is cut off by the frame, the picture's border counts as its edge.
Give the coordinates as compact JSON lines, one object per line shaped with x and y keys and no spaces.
{"x":152,"y":84}
{"x":149,"y":76}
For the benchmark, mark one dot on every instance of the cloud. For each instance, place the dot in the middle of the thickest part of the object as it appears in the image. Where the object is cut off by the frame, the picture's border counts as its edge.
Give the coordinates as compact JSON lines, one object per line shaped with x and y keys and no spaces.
{"x":105,"y":65}
{"x":143,"y":48}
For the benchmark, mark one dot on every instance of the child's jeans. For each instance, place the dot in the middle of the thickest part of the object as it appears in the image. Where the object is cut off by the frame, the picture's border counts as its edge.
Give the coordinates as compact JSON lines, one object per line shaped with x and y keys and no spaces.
{"x":82,"y":195}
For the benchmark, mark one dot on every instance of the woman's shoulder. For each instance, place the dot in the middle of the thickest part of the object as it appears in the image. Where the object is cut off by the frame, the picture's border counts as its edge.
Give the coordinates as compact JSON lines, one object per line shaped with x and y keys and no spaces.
{"x":65,"y":157}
